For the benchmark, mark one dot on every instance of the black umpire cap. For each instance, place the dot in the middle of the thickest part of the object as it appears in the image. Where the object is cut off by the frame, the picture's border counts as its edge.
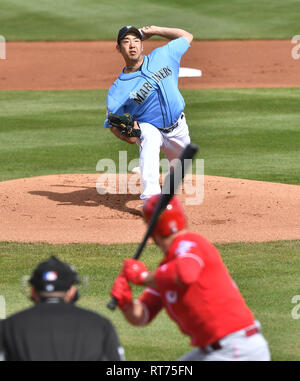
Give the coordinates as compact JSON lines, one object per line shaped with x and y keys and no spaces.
{"x":128,"y":29}
{"x":53,"y":275}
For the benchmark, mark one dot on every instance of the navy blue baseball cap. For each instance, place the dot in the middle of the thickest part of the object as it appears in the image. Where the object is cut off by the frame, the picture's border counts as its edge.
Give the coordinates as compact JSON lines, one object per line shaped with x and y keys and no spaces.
{"x":128,"y":29}
{"x":53,"y":275}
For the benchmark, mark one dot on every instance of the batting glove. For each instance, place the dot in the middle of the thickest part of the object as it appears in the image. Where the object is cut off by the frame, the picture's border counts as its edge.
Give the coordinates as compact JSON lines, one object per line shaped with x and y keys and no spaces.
{"x":135,"y":271}
{"x":122,"y":292}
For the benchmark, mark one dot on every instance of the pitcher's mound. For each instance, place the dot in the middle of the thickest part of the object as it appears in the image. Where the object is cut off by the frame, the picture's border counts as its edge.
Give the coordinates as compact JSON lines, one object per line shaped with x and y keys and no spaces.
{"x":68,"y":208}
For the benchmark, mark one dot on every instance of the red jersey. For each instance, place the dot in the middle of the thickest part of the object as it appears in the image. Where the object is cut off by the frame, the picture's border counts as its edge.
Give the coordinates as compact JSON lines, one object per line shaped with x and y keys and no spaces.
{"x":207,"y":309}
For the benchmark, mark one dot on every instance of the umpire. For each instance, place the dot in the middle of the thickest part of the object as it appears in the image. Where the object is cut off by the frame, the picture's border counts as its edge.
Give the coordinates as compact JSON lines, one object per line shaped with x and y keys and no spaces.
{"x":54,"y":329}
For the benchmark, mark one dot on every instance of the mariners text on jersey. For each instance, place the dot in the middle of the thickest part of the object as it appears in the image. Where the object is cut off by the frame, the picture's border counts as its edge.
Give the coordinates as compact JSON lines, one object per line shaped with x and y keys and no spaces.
{"x":140,"y":96}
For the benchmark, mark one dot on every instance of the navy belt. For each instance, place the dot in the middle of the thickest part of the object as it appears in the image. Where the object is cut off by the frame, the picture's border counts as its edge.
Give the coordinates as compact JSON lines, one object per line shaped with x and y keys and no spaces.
{"x":170,"y":129}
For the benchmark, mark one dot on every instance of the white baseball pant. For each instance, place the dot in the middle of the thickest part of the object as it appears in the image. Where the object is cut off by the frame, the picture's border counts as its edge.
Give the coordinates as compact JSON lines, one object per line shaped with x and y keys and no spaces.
{"x":152,"y":141}
{"x":234,"y":347}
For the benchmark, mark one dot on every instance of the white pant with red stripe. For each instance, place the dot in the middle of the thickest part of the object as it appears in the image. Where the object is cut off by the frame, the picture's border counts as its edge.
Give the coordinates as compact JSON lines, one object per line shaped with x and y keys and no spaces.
{"x":236,"y":346}
{"x":152,"y":141}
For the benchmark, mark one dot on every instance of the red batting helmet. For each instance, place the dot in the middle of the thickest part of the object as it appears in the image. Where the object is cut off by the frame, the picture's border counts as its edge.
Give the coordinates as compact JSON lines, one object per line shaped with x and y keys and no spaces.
{"x":170,"y":221}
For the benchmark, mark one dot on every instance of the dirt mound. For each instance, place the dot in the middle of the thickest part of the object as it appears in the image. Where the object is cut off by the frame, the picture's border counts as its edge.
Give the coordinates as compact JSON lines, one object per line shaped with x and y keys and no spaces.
{"x":68,"y":208}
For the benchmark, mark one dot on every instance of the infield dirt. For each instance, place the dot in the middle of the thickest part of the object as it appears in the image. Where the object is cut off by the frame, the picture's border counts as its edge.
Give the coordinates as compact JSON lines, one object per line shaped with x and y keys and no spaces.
{"x":68,"y":208}
{"x":96,"y":64}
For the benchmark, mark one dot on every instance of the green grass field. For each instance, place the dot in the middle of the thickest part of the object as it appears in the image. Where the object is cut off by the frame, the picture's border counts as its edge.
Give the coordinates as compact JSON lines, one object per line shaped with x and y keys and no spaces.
{"x":266,"y":273}
{"x":96,"y":20}
{"x":249,"y":133}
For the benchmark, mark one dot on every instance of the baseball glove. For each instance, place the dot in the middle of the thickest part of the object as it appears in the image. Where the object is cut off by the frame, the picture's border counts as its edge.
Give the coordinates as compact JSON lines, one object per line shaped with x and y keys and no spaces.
{"x":125,"y":123}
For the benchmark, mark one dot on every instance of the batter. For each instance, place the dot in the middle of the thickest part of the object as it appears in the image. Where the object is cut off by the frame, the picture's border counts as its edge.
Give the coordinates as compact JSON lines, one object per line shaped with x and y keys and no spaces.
{"x":196,"y":290}
{"x":147,"y":88}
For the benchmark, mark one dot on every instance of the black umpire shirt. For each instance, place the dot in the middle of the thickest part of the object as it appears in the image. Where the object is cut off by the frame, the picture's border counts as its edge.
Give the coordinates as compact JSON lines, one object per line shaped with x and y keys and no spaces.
{"x":53,"y":330}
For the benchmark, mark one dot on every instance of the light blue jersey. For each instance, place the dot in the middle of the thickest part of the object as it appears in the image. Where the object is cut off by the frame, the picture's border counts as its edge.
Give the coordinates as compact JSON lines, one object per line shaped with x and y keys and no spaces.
{"x":151,"y":94}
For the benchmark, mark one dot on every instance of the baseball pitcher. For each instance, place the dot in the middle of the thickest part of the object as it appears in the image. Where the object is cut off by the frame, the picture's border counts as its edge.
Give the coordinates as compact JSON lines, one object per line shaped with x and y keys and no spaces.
{"x":144,"y":105}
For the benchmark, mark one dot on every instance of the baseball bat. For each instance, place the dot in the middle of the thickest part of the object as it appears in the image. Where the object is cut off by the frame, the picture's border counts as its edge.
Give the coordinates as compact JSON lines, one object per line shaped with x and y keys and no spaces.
{"x":171,"y":183}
